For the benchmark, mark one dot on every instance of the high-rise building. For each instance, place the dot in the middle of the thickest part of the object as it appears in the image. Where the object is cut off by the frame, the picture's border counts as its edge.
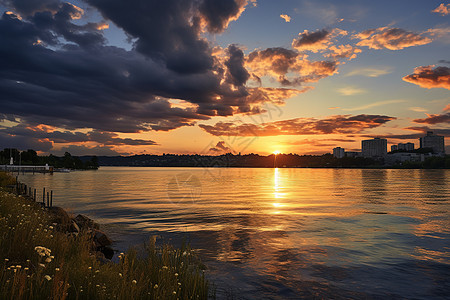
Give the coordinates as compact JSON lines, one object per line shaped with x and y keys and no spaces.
{"x":435,"y":142}
{"x":338,"y":152}
{"x":394,"y":147}
{"x":373,"y":148}
{"x":406,"y":146}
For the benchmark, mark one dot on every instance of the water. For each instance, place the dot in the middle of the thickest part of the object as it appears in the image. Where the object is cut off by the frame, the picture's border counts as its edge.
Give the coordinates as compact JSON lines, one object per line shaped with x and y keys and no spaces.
{"x":281,"y":233}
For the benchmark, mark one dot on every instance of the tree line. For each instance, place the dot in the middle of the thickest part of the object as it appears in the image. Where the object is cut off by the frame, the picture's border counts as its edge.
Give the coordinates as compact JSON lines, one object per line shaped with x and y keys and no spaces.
{"x":31,"y":158}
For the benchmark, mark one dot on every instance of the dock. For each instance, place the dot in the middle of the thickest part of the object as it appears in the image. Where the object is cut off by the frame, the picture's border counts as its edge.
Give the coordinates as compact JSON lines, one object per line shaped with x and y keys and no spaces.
{"x":27,"y":169}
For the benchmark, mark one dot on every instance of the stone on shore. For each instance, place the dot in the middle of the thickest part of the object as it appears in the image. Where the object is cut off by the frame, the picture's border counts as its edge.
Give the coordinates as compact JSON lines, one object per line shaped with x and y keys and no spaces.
{"x":85,"y":223}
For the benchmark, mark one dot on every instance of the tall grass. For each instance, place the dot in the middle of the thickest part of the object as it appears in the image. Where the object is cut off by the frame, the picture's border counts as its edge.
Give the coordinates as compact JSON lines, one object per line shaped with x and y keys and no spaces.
{"x":39,"y":262}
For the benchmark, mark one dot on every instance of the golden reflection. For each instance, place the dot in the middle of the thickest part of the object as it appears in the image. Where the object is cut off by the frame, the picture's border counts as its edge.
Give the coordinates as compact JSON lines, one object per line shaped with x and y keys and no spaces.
{"x":277,"y":194}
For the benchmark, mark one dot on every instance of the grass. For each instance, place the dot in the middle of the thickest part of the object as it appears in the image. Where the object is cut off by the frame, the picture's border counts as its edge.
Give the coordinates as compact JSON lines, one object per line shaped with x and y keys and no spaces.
{"x":39,"y":262}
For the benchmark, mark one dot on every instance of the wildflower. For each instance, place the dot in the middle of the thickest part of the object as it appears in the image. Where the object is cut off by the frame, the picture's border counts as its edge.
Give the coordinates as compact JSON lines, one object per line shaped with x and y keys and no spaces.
{"x":165,"y":267}
{"x":176,"y":274}
{"x":89,"y":268}
{"x":156,"y":286}
{"x":120,"y":274}
{"x":134,"y":281}
{"x":97,"y":271}
{"x":6,"y":259}
{"x":50,"y":227}
{"x":48,"y":259}
{"x":42,"y":265}
{"x":26,"y":268}
{"x":179,"y":283}
{"x":56,"y":269}
{"x":174,"y":292}
{"x":47,"y":277}
{"x":18,"y":266}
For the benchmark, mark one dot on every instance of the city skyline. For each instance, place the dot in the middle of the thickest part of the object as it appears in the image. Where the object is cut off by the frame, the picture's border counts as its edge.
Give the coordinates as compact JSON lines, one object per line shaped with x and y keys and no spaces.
{"x":102,"y":77}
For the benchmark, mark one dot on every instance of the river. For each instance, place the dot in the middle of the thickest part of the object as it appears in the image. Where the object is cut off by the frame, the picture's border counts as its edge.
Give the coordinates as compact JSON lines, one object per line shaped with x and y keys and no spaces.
{"x":280,"y":233}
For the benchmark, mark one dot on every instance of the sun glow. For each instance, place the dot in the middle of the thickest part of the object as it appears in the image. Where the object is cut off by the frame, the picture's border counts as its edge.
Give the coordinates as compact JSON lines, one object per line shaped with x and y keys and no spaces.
{"x":276,"y":152}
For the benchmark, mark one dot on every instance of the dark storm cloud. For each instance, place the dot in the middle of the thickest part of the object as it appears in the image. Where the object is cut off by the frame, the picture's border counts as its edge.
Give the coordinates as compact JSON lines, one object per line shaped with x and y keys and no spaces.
{"x":28,"y":7}
{"x":340,"y":124}
{"x":87,"y":84}
{"x":237,"y":73}
{"x":217,"y":14}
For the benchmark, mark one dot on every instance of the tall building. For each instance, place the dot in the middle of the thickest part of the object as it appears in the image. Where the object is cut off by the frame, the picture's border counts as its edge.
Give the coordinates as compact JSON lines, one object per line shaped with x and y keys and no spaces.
{"x":435,"y":142}
{"x":374,"y":147}
{"x":338,"y":152}
{"x":394,"y":148}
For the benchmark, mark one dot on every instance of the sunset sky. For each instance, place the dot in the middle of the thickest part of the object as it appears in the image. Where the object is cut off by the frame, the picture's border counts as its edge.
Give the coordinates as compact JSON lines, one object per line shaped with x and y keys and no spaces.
{"x":111,"y":77}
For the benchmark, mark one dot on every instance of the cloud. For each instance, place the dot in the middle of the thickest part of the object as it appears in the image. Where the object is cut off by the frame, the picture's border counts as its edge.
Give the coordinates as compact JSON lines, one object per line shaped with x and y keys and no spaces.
{"x":78,"y":150}
{"x":220,"y":147}
{"x":375,"y":104}
{"x":436,"y":118}
{"x":84,"y":83}
{"x":288,"y":66}
{"x":44,"y":137}
{"x":285,"y":18}
{"x":390,"y":38}
{"x":418,"y":109}
{"x":370,"y":72}
{"x":237,"y":73}
{"x":350,"y":91}
{"x":344,"y":51}
{"x":340,"y":124}
{"x":218,"y":14}
{"x":443,"y":9}
{"x":429,"y":78}
{"x":317,"y":40}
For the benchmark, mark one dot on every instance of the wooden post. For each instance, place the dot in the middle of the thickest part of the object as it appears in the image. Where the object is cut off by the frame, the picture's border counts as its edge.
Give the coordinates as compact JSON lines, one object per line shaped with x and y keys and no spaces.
{"x":43,"y":197}
{"x":51,"y":198}
{"x":48,"y":200}
{"x":34,"y":198}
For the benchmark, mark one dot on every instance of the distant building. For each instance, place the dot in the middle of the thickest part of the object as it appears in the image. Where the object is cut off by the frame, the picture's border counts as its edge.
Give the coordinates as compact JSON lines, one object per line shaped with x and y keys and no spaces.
{"x":394,"y":148}
{"x":435,"y":142}
{"x":373,"y":148}
{"x":352,"y":154}
{"x":338,"y":152}
{"x":406,"y":146}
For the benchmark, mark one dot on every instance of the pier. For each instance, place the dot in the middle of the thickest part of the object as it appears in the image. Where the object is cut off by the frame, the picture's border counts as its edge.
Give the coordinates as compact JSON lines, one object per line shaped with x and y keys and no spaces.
{"x":27,"y":169}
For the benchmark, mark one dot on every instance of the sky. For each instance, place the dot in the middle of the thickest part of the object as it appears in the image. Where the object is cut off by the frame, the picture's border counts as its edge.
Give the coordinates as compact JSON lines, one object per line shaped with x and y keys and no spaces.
{"x":114,"y":77}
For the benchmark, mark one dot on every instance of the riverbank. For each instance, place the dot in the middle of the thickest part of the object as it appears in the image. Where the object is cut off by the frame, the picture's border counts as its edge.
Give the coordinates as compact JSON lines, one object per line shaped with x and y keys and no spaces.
{"x":42,"y":258}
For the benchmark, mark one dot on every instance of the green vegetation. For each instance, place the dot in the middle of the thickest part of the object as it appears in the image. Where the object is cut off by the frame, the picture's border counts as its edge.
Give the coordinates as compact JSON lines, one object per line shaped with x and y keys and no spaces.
{"x":30,"y":157}
{"x":39,"y":262}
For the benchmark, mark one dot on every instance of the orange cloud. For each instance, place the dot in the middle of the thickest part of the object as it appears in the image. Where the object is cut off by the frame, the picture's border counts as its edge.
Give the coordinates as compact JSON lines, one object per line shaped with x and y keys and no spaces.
{"x":344,"y":51}
{"x":273,"y":95}
{"x":390,"y":38}
{"x":288,"y":66}
{"x":340,"y":124}
{"x":427,"y":77}
{"x":434,"y":119}
{"x":443,"y":9}
{"x":286,"y":18}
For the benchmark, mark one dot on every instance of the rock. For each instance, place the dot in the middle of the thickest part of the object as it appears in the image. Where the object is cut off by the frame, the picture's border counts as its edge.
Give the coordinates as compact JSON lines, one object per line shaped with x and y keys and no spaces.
{"x":107,"y":252}
{"x":59,"y":216}
{"x":85,"y":223}
{"x":101,"y":238}
{"x":74,"y":228}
